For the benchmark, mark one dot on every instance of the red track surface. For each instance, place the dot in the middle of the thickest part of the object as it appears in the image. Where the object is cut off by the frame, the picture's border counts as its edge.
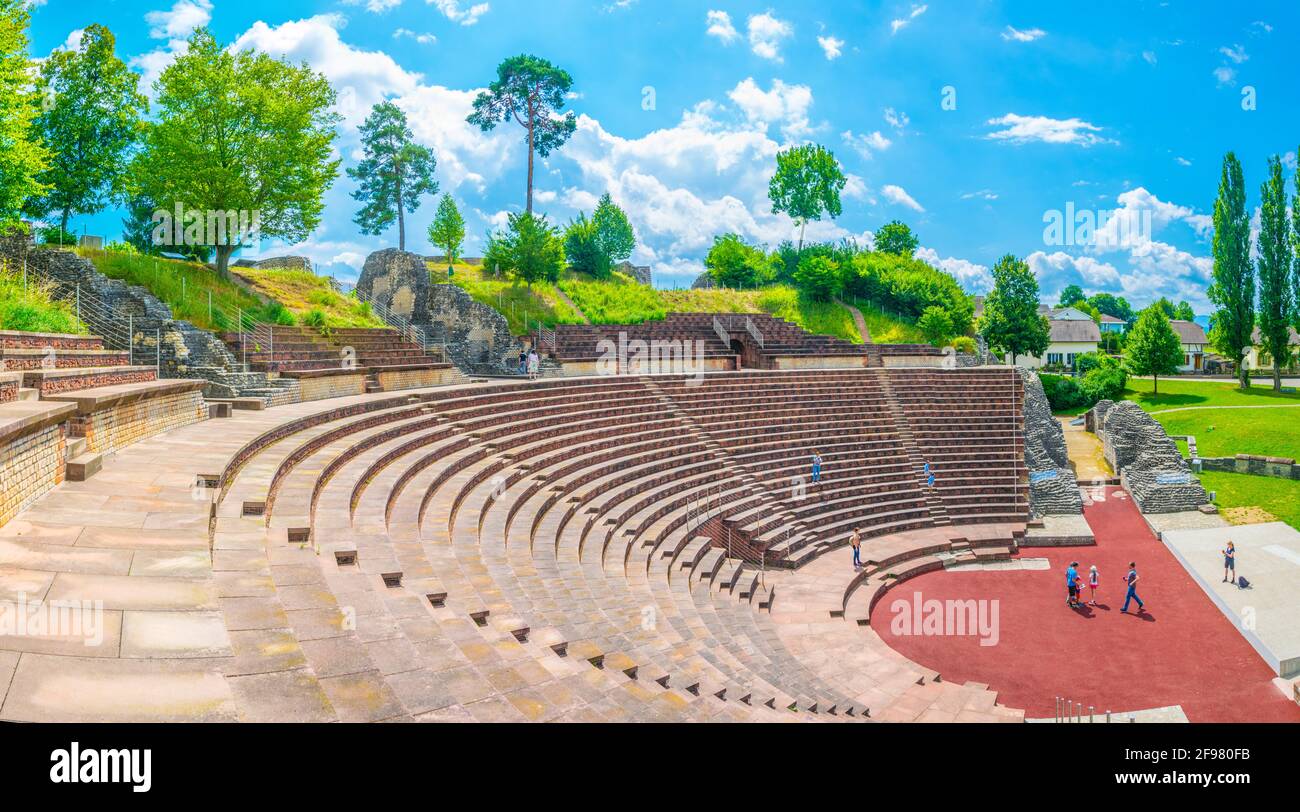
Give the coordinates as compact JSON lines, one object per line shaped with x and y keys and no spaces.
{"x":1182,"y":651}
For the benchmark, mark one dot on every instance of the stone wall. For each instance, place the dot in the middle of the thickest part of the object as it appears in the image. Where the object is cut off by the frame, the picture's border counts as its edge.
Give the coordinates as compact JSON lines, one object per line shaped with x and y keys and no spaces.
{"x":399,"y":281}
{"x":398,"y":380}
{"x":478,"y":338}
{"x":1279,"y":467}
{"x":277,"y":264}
{"x":180,"y":349}
{"x":122,"y":424}
{"x":325,"y":387}
{"x":10,"y":383}
{"x":1148,"y":462}
{"x":1053,"y":487}
{"x":30,"y":465}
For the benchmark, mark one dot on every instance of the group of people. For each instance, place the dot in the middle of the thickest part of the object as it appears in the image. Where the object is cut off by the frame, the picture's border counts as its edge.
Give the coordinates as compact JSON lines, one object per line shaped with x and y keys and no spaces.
{"x":1074,"y":585}
{"x":530,"y":363}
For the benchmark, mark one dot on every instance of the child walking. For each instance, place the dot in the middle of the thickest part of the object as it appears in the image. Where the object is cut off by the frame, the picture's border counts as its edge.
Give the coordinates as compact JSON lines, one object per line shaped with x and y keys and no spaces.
{"x":1093,"y":579}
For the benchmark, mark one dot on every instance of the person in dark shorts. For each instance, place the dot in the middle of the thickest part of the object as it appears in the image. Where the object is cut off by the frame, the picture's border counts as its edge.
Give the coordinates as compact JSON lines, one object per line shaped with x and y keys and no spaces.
{"x":1072,"y":585}
{"x":1230,"y":562}
{"x":855,"y":541}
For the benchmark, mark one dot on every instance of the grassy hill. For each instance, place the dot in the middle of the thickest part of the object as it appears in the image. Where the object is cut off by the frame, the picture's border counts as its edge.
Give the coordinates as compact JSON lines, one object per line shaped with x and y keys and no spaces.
{"x":311,"y":297}
{"x":622,"y":300}
{"x":197,"y":294}
{"x":26,"y":305}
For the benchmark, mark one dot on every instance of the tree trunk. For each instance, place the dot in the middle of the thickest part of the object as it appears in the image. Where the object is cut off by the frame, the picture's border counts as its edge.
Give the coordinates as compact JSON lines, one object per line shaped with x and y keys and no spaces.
{"x":1155,"y":385}
{"x":802,"y":227}
{"x":63,"y":223}
{"x":401,"y":217}
{"x":1277,"y":375}
{"x":531,"y":143}
{"x":224,"y":253}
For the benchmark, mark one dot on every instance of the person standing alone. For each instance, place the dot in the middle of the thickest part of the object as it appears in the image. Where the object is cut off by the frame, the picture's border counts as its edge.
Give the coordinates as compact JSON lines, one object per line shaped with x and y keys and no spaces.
{"x":1131,"y":579}
{"x":855,"y":541}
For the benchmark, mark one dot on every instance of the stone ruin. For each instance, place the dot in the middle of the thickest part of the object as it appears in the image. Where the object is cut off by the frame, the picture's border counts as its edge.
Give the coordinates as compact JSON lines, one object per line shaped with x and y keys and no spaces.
{"x":277,"y":264}
{"x":1148,"y":462}
{"x":477,"y":337}
{"x":1053,"y":487}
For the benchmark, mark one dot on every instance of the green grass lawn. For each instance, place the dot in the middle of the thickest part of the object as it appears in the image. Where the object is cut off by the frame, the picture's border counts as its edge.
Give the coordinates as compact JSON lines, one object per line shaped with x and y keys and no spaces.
{"x":1180,"y":392}
{"x":1280,"y":497}
{"x":26,"y":306}
{"x":1225,"y":432}
{"x":522,"y":305}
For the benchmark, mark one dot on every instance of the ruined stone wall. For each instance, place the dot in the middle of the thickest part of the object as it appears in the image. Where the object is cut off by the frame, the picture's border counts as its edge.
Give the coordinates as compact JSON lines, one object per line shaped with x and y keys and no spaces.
{"x":399,"y":281}
{"x":478,"y":338}
{"x":1148,"y":462}
{"x":1053,"y":487}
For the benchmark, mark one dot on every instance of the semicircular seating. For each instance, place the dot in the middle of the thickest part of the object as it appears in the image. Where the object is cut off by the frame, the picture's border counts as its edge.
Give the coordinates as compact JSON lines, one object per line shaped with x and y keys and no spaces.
{"x":611,"y":548}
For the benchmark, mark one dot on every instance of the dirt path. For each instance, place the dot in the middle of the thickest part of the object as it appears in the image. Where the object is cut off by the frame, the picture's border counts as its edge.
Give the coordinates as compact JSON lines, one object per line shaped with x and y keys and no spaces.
{"x":858,"y":320}
{"x":1085,"y":452}
{"x":564,"y":297}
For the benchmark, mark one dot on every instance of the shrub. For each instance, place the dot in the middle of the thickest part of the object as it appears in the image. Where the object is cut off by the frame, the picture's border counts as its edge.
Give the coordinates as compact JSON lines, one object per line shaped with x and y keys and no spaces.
{"x":734,"y":263}
{"x":583,"y":248}
{"x":818,"y":277}
{"x":54,"y":235}
{"x":530,"y":249}
{"x":908,"y":286}
{"x":1104,"y":383}
{"x":965,"y":344}
{"x":314,"y":318}
{"x":936,"y":325}
{"x":1062,"y":393}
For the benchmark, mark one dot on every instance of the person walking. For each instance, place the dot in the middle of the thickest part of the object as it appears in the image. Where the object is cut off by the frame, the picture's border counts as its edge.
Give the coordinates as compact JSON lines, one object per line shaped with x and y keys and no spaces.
{"x":816,"y":467}
{"x":534,"y":365}
{"x":1094,"y":578}
{"x":523,"y":362}
{"x":855,"y":541}
{"x":1072,"y":585}
{"x":1131,"y":579}
{"x":1230,"y":562}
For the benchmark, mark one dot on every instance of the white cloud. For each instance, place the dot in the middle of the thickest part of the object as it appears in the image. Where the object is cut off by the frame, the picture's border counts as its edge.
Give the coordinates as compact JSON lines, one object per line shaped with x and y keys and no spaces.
{"x":898,"y":195}
{"x":451,"y":9}
{"x":1225,"y":75}
{"x":831,"y":46}
{"x":1149,"y":56}
{"x":902,"y":22}
{"x":1028,"y":35}
{"x":785,"y":105}
{"x":180,"y":20}
{"x":720,"y":26}
{"x":896,"y":119}
{"x":375,"y":6}
{"x":982,"y":194}
{"x":1025,"y":129}
{"x":1182,"y":161}
{"x":1236,"y":54}
{"x":423,"y":39}
{"x":866,"y":144}
{"x":973,"y":277}
{"x":766,"y":32}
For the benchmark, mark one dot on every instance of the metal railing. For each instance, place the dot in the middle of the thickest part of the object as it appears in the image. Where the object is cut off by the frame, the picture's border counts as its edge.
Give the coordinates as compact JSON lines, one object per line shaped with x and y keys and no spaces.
{"x":723,"y":335}
{"x":415,"y":333}
{"x":754,"y":332}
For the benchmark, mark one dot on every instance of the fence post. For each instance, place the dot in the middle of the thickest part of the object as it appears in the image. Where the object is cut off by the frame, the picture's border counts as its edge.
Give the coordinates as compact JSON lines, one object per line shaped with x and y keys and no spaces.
{"x":130,"y":339}
{"x":78,"y":299}
{"x":157,"y":346}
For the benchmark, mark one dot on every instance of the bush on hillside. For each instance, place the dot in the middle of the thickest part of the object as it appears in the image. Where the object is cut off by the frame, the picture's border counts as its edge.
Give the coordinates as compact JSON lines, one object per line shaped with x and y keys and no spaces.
{"x":908,"y":286}
{"x":734,"y":263}
{"x":1064,"y":394}
{"x":819,"y":278}
{"x":936,"y":325}
{"x":584,"y":251}
{"x":965,"y":344}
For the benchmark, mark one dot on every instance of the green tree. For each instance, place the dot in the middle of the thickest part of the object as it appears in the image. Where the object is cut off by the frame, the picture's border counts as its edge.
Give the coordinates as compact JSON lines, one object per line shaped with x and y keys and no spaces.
{"x":936,"y":325}
{"x":617,"y":239}
{"x":92,"y":121}
{"x":1011,"y":321}
{"x":22,"y":156}
{"x":734,"y":263}
{"x":1233,"y":289}
{"x":1071,"y":295}
{"x":585,"y":250}
{"x":240,"y":132}
{"x":531,"y":92}
{"x":896,"y":238}
{"x":819,"y":277}
{"x":448,"y":229}
{"x":1112,"y":305}
{"x":807,"y":185}
{"x":1183,"y":312}
{"x":1153,"y":347}
{"x":1277,"y":305}
{"x":531,"y":249}
{"x":394,"y":174}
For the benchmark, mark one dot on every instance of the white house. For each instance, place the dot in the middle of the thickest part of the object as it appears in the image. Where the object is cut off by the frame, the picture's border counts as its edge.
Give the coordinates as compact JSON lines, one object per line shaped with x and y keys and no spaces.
{"x":1252,"y":357}
{"x":1073,"y":333}
{"x":1110,"y":324}
{"x":1194,"y":343}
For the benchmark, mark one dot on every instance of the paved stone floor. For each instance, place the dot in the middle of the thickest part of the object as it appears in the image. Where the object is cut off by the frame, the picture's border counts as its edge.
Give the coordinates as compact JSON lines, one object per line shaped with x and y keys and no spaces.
{"x":1085,"y":452}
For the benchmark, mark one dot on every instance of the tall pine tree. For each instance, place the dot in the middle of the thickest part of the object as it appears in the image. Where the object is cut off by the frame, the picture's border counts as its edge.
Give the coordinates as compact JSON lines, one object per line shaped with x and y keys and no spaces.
{"x":1233,"y":289}
{"x":395,"y":173}
{"x":1277,"y":306}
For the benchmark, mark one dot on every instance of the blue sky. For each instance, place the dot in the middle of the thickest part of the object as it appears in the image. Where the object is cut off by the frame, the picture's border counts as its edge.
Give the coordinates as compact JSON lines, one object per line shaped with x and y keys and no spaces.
{"x":968,"y":120}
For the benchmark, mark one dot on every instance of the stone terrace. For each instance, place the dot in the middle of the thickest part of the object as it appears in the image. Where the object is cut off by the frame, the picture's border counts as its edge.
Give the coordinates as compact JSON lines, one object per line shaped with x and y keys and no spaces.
{"x":541,"y":551}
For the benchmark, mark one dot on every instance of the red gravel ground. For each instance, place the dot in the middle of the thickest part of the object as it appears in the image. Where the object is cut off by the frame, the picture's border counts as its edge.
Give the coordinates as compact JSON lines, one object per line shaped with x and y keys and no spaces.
{"x":1181,"y":651}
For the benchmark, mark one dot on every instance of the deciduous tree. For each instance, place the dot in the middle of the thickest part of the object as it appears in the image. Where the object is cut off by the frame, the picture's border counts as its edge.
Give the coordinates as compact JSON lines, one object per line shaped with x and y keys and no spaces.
{"x":1011,"y":321}
{"x":1233,"y":289}
{"x":1277,"y":304}
{"x":807,"y":185}
{"x":1153,"y":348}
